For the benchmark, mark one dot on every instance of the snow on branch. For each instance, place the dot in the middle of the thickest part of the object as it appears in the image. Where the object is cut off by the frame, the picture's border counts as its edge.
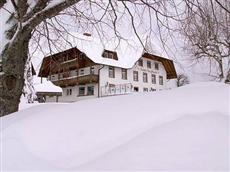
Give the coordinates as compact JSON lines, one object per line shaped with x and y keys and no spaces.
{"x":46,"y":9}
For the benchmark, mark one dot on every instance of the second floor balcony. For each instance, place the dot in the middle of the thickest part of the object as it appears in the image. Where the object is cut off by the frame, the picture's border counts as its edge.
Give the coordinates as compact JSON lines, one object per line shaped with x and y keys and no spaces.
{"x":71,"y":74}
{"x":75,"y":77}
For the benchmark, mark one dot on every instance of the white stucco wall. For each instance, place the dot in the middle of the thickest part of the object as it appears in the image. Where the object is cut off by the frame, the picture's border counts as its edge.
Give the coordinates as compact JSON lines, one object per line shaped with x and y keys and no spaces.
{"x":75,"y":93}
{"x":105,"y":80}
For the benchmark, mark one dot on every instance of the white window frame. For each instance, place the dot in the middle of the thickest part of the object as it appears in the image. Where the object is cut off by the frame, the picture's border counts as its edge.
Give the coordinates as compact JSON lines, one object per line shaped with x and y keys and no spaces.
{"x":79,"y":91}
{"x":111,"y":69}
{"x":161,"y":80}
{"x":145,"y":77}
{"x":154,"y":79}
{"x":124,"y":74}
{"x":156,"y":65}
{"x":135,"y":76}
{"x":88,"y":90}
{"x":149,"y":64}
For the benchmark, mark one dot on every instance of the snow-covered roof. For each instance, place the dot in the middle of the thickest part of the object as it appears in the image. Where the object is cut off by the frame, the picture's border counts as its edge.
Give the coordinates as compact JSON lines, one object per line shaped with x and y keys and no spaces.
{"x":128,"y":50}
{"x":47,"y":87}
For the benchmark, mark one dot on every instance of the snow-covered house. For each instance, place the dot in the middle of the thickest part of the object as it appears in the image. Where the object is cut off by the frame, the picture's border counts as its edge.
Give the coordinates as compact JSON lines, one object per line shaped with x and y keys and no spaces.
{"x":94,"y":69}
{"x":47,"y":92}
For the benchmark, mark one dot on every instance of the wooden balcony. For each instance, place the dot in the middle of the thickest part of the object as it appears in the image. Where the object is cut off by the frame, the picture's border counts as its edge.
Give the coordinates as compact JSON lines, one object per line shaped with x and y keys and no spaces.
{"x":77,"y":80}
{"x":75,"y":77}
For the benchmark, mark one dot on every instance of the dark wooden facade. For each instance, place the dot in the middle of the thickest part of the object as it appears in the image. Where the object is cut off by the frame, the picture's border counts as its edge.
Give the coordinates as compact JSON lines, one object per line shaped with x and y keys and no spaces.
{"x":71,"y":59}
{"x":81,"y":80}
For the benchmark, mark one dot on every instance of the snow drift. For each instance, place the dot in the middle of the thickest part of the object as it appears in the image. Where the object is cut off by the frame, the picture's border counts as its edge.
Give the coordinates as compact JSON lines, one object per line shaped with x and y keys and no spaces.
{"x":180,"y":129}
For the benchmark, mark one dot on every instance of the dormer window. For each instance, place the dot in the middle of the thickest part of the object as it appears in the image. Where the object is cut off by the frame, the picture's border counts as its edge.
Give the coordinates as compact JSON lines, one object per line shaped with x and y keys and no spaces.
{"x":110,"y":55}
{"x":106,"y":54}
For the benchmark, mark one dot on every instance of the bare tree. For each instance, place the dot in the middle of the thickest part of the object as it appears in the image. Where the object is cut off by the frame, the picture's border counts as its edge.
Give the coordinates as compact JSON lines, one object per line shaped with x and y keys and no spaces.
{"x":182,"y":80}
{"x":26,"y":20}
{"x":19,"y":19}
{"x":207,"y":32}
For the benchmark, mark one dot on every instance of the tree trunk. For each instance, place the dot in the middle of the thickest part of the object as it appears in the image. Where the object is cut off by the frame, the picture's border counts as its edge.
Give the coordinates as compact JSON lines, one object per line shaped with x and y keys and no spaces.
{"x":221,"y":76}
{"x":14,"y":58}
{"x":227,"y":79}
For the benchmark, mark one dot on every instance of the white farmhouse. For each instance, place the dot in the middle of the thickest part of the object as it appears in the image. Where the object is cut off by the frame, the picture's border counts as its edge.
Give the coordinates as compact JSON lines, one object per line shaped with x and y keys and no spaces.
{"x":93,"y":69}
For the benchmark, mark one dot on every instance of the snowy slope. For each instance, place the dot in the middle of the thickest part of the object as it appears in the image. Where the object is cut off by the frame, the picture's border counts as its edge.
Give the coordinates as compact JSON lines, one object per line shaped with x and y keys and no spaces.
{"x":188,"y":143}
{"x":180,"y":129}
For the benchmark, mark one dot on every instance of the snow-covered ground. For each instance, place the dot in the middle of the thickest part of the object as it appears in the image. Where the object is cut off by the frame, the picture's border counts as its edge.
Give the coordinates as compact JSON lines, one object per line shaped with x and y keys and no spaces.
{"x":180,"y":129}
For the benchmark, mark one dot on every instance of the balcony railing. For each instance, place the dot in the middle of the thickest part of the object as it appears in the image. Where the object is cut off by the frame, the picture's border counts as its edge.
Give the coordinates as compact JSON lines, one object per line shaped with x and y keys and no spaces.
{"x":73,"y":74}
{"x":116,"y":89}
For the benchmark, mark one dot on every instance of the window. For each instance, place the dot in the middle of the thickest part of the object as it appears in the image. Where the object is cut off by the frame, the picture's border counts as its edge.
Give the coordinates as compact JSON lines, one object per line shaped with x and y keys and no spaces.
{"x":149,"y":64}
{"x":90,"y":90}
{"x":161,"y":80}
{"x":82,"y":55}
{"x":136,"y":89}
{"x":156,"y":66}
{"x":82,"y":72}
{"x":140,"y":62}
{"x":53,"y":77}
{"x":145,"y":89}
{"x":106,"y":54}
{"x":110,"y":55}
{"x":135,"y":75}
{"x":153,"y":79}
{"x":124,"y":73}
{"x":76,"y":72}
{"x":92,"y":70}
{"x":145,"y":77}
{"x":69,"y":92}
{"x":81,"y":91}
{"x":60,"y":76}
{"x":111,"y":72}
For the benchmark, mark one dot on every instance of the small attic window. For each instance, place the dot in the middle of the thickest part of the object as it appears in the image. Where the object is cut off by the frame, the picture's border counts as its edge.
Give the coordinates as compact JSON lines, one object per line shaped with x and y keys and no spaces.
{"x":82,"y":56}
{"x":110,"y":55}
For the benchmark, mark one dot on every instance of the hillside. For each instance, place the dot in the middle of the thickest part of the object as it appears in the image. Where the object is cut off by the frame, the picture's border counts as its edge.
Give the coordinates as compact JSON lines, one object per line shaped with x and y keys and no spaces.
{"x":181,"y":129}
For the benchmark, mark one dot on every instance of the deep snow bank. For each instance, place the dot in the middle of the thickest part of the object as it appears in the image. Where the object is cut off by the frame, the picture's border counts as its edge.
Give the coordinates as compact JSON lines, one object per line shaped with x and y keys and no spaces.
{"x":49,"y":137}
{"x":189,"y":143}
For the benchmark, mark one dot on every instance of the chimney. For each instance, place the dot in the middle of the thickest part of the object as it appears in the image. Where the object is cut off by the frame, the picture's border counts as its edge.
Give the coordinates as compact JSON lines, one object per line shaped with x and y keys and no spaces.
{"x":87,"y":34}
